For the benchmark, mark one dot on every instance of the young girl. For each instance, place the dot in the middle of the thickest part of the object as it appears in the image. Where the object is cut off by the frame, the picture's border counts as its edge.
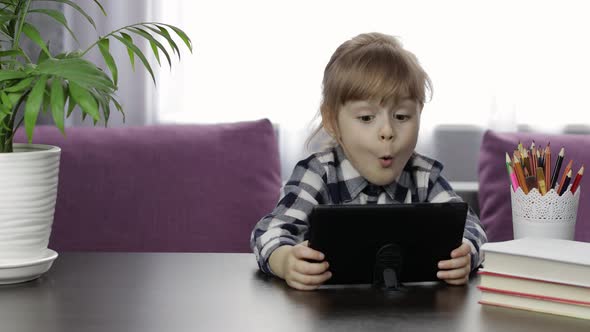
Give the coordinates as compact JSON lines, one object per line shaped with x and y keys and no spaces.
{"x":373,"y":94}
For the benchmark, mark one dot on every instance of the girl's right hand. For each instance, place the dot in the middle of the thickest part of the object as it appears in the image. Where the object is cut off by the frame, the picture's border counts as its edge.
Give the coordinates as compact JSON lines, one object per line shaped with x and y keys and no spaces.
{"x":302,"y":268}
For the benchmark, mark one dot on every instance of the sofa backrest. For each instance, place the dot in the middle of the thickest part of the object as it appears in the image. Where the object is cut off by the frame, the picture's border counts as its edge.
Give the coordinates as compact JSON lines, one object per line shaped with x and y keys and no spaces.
{"x":494,"y":194}
{"x":194,"y":188}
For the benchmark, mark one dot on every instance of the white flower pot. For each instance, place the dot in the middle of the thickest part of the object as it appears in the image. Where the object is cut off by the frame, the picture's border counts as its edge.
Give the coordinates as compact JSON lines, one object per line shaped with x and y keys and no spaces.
{"x":28,"y":190}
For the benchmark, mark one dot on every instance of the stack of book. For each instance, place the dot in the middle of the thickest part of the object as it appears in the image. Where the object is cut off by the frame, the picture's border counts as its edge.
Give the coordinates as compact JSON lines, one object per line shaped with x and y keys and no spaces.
{"x":544,"y":275}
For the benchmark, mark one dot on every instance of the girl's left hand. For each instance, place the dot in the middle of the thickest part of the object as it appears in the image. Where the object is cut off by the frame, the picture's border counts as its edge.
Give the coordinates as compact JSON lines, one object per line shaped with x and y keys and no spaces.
{"x":455,"y":271}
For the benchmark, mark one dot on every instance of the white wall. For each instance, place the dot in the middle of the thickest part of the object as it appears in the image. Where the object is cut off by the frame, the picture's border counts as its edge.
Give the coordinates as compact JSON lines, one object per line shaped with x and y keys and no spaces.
{"x":494,"y":64}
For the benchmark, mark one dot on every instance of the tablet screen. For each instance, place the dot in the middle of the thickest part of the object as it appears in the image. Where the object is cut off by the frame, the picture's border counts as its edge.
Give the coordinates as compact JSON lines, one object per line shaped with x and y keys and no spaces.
{"x":358,"y":240}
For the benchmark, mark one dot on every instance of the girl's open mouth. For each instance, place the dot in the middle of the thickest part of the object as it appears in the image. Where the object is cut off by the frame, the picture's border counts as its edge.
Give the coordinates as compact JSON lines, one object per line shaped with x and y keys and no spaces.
{"x":386,"y":161}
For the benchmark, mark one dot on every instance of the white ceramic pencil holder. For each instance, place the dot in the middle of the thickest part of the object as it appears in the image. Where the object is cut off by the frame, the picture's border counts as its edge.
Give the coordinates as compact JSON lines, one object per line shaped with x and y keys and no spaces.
{"x":546,"y":216}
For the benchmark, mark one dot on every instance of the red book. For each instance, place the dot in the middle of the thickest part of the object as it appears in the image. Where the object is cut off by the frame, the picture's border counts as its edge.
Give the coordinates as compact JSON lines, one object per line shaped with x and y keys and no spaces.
{"x":534,"y":303}
{"x":523,"y":286}
{"x":537,"y":274}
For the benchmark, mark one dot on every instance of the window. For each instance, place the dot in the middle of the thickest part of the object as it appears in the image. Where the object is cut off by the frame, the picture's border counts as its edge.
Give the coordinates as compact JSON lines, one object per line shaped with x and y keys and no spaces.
{"x":493,"y":64}
{"x":494,"y":61}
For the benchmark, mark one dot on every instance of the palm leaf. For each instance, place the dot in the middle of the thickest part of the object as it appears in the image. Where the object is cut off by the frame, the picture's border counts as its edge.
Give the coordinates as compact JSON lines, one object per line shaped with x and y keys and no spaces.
{"x":4,"y":111}
{"x":103,"y":46}
{"x":101,"y":8}
{"x":6,"y":102}
{"x":33,"y":105}
{"x":164,"y":33}
{"x":46,"y":100}
{"x":57,"y":16}
{"x":15,"y":97}
{"x":21,"y":85}
{"x":118,"y":106}
{"x":3,"y":119}
{"x":58,"y":101}
{"x":103,"y":102}
{"x":71,"y":104}
{"x":10,"y":53}
{"x":6,"y":16}
{"x":83,"y":98}
{"x":11,"y":74}
{"x":16,"y":24}
{"x":33,"y":34}
{"x":129,"y":51}
{"x":154,"y":43}
{"x":187,"y":41}
{"x":42,"y":55}
{"x":81,"y":71}
{"x":136,"y":50}
{"x":77,"y":8}
{"x":155,"y":52}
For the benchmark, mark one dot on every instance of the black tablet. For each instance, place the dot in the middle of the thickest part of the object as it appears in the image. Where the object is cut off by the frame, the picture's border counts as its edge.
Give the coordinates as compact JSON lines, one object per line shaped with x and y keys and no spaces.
{"x":360,"y":242}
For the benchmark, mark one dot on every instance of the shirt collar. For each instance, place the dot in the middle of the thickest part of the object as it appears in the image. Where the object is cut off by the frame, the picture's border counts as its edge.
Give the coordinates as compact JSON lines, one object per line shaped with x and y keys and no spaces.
{"x":355,"y":183}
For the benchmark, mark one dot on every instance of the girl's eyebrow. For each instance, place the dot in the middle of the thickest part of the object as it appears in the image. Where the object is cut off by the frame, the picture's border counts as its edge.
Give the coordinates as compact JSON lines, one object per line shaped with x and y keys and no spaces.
{"x":403,"y":100}
{"x":407,"y":102}
{"x":361,"y":105}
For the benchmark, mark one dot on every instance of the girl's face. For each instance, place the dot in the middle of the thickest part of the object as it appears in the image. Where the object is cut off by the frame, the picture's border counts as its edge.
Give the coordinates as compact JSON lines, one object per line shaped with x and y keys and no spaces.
{"x":378,"y":140}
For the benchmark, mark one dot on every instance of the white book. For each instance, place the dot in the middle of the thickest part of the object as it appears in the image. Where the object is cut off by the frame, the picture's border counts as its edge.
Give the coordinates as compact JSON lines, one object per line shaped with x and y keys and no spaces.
{"x":507,"y":300}
{"x":491,"y":281}
{"x":553,"y":260}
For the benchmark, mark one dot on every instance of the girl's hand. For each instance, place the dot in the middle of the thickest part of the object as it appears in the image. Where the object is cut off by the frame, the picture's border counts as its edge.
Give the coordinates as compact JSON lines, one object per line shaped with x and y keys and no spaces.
{"x":455,"y":271}
{"x":302,"y":268}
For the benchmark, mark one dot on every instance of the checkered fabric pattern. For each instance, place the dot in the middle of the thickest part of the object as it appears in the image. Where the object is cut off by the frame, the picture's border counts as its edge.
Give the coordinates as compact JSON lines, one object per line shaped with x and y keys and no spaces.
{"x":329,"y":178}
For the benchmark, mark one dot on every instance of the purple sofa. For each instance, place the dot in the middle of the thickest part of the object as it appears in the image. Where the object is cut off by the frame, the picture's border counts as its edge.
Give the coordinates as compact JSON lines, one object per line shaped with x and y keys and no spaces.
{"x":194,"y":188}
{"x":494,"y":194}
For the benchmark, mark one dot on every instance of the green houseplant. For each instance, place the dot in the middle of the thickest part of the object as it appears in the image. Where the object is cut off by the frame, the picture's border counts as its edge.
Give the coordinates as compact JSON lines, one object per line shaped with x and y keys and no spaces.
{"x":55,"y":84}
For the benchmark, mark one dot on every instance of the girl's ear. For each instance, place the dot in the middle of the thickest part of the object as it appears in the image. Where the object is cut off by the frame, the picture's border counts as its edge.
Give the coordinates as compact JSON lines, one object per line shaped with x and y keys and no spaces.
{"x":330,"y":123}
{"x":328,"y":127}
{"x":331,"y":129}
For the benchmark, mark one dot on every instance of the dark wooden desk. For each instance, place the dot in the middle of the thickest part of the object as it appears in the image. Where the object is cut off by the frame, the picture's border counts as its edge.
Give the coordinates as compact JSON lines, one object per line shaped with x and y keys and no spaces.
{"x":111,"y":292}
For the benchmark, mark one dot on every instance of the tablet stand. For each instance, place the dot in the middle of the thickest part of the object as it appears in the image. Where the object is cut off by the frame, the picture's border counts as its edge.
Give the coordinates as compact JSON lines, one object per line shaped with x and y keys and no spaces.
{"x":388,"y":264}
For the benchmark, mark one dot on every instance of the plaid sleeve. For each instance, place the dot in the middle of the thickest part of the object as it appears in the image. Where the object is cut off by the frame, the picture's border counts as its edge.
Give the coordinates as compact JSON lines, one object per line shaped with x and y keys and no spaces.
{"x":440,"y":191}
{"x":287,"y":224}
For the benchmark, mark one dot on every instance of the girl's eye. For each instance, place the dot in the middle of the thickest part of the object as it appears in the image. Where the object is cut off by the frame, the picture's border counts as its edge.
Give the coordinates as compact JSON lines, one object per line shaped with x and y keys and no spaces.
{"x":366,"y":118}
{"x":401,"y":117}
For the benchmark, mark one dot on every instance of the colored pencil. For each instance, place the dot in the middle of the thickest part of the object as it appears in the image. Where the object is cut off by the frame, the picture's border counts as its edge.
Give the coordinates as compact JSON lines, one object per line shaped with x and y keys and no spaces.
{"x":577,"y":179}
{"x":547,"y":162}
{"x":568,"y":167}
{"x":534,"y":157}
{"x":531,"y":182}
{"x":525,"y":162}
{"x":568,"y":178}
{"x":541,"y":181}
{"x":520,"y":175}
{"x":557,"y":167}
{"x":511,"y":173}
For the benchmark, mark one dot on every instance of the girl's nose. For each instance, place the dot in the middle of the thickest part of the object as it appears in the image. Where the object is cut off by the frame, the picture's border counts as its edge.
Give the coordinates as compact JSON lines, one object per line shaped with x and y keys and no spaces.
{"x":388,"y":137}
{"x":386,"y":132}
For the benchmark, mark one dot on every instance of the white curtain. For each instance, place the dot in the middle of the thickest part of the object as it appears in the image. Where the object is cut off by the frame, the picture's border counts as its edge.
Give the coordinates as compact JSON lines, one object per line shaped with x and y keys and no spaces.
{"x":135,"y":87}
{"x":494,"y":64}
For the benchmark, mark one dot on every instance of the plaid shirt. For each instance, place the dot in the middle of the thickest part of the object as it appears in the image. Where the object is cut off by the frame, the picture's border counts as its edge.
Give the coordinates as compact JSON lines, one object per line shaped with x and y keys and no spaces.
{"x":329,"y":178}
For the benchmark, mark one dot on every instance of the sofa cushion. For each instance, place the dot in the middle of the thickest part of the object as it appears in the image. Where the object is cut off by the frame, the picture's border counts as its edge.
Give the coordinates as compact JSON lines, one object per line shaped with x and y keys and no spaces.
{"x":494,"y":194}
{"x":196,"y":188}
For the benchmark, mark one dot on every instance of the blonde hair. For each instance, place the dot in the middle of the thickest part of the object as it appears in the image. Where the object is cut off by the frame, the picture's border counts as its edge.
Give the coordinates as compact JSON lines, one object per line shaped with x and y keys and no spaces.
{"x":370,"y":66}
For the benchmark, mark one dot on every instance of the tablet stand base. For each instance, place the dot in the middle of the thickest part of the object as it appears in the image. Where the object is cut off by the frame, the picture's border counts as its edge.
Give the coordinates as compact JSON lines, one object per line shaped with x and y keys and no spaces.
{"x":387,"y":269}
